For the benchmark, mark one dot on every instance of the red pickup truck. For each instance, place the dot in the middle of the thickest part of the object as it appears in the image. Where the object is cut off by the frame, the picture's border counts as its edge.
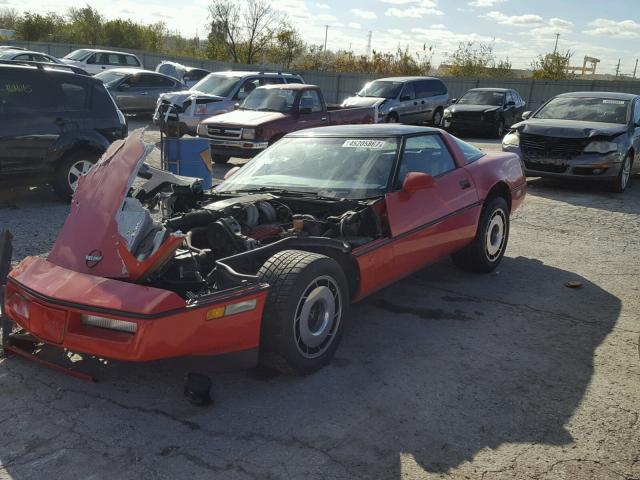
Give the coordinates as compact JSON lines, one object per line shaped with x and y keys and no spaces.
{"x":269,"y":113}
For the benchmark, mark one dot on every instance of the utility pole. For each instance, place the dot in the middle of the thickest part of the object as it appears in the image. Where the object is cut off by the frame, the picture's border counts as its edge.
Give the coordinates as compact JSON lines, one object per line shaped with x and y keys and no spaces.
{"x":635,"y":69}
{"x":326,"y":32}
{"x":555,"y":49}
{"x":369,"y":45}
{"x":618,"y":68}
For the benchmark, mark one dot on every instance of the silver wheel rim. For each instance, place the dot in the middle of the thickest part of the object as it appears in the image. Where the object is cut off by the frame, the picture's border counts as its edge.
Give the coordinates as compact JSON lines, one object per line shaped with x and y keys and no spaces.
{"x":495,"y":235}
{"x":626,"y":172}
{"x":317,"y":317}
{"x":76,"y":171}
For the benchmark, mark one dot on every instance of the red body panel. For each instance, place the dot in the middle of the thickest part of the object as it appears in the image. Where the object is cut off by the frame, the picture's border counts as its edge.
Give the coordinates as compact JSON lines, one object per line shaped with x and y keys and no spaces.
{"x":166,"y":326}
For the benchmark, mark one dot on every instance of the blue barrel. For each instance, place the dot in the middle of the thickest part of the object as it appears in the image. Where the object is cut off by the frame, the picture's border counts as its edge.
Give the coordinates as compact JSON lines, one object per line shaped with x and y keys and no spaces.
{"x":190,"y":157}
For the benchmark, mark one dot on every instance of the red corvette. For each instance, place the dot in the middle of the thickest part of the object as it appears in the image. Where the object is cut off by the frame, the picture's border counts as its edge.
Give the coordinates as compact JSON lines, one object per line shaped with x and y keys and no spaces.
{"x":271,"y":258}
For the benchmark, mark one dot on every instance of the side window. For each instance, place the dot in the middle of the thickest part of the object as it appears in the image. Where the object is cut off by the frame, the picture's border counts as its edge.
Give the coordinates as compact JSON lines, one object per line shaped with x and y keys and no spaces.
{"x":75,"y":95}
{"x":163,"y":82}
{"x":311,"y":99}
{"x":508,"y":98}
{"x":422,"y":89}
{"x":92,"y":59}
{"x":293,"y":80}
{"x":131,"y":61}
{"x":102,"y":58}
{"x":42,"y":58}
{"x":102,"y":105}
{"x":437,"y":87}
{"x":28,"y":91}
{"x":636,"y":115}
{"x":408,"y":92}
{"x":116,"y":59}
{"x":22,"y":57}
{"x":425,"y":154}
{"x":271,"y":80}
{"x":247,"y":87}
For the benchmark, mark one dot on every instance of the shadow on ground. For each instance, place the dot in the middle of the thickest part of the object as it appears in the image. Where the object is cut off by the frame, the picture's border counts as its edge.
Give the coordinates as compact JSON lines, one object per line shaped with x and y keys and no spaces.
{"x":437,"y":367}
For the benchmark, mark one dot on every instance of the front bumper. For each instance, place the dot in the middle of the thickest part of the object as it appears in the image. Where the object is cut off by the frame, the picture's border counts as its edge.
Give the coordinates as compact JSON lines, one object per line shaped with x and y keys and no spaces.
{"x":591,"y":166}
{"x":237,"y":148}
{"x":477,"y":124}
{"x":166,"y":325}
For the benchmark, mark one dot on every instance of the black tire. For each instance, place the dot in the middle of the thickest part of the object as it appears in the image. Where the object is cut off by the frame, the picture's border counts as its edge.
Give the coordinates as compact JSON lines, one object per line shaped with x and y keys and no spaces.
{"x":622,"y":180}
{"x":64,"y":176}
{"x":436,"y":120}
{"x":479,"y":257}
{"x":500,"y":128}
{"x":292,"y":275}
{"x":393,"y":118}
{"x":220,"y":158}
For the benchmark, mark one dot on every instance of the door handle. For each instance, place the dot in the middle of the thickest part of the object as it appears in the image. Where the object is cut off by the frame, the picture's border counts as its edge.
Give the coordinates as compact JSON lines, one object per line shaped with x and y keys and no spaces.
{"x":324,"y":119}
{"x":464,"y":184}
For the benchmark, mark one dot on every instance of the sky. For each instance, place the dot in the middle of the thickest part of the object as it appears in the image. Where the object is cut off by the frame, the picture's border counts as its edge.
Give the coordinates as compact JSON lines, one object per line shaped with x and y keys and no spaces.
{"x":517,"y":29}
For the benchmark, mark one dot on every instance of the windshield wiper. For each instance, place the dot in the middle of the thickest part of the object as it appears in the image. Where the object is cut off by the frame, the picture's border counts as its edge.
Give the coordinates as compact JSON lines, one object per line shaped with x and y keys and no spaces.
{"x":283,"y":192}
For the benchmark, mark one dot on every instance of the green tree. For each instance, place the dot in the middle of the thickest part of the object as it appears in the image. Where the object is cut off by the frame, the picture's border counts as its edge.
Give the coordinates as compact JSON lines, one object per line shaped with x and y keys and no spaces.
{"x":84,"y":25}
{"x":37,"y":27}
{"x":9,"y":18}
{"x":287,"y":47}
{"x":552,"y":66}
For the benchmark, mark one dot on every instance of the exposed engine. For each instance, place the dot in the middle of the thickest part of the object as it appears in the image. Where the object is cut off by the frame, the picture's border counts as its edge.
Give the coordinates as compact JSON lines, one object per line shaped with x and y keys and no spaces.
{"x":217,"y":227}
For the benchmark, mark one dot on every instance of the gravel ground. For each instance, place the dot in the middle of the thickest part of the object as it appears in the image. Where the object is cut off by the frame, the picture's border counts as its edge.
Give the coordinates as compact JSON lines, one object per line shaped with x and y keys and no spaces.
{"x":442,"y":375}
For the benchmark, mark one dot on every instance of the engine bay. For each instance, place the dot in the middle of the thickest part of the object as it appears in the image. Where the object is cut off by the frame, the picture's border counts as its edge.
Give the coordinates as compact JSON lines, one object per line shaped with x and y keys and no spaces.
{"x":216,"y":226}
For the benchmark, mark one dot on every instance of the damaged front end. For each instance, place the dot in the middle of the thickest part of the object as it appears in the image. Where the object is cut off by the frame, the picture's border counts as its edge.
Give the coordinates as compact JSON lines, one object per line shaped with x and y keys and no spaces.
{"x":149,"y":266}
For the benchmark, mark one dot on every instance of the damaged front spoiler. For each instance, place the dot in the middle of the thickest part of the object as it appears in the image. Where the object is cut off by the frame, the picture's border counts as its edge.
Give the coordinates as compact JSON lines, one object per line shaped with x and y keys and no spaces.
{"x":125,"y":321}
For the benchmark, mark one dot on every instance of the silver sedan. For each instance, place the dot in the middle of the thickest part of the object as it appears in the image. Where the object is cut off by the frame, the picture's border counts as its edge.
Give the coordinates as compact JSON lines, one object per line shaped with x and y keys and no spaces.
{"x":137,"y":91}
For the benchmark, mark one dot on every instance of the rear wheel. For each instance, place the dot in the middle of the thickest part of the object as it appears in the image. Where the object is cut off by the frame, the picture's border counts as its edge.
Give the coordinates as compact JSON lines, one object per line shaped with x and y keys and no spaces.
{"x":437,"y":118}
{"x":393,"y":118}
{"x":303,"y":319}
{"x":487,"y":249}
{"x":68,"y":173}
{"x":622,"y":180}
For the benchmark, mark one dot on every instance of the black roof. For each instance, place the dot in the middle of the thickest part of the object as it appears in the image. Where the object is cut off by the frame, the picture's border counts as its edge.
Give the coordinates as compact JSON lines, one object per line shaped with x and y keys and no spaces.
{"x":611,"y":95}
{"x":367,"y":130}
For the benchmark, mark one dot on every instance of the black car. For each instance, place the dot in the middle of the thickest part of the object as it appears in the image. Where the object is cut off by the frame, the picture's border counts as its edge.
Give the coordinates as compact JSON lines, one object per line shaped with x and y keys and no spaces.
{"x":55,"y":125}
{"x":583,"y":136}
{"x":486,"y":110}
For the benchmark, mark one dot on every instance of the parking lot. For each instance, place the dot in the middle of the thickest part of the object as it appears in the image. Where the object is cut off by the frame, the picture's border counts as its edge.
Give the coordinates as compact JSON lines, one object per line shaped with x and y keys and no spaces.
{"x":442,"y":375}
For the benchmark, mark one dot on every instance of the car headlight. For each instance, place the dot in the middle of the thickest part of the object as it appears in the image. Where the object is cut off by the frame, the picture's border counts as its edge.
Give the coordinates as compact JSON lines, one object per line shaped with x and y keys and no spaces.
{"x":248,"y":133}
{"x":201,"y":108}
{"x":109,"y":323}
{"x":600,"y":146}
{"x":447,"y":113}
{"x":202,"y":130}
{"x":511,"y":139}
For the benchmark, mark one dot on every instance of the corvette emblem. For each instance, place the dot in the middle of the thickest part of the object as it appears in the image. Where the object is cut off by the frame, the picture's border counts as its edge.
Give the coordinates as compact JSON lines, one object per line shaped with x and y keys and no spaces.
{"x":94,"y":258}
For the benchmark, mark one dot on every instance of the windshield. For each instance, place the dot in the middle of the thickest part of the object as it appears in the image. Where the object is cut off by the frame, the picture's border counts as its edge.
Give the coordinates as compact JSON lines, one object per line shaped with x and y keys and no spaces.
{"x":605,"y":110}
{"x":220,"y":85}
{"x":77,"y":55}
{"x":270,"y":100}
{"x":381,"y":89}
{"x":482,"y":98}
{"x":329,"y":167}
{"x":110,"y":77}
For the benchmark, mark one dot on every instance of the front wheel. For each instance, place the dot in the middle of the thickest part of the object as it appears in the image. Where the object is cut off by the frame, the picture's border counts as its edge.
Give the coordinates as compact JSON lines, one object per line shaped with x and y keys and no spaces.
{"x":437,"y":118}
{"x":487,"y":249}
{"x":500,"y":129}
{"x":304,"y":315}
{"x":622,"y":180}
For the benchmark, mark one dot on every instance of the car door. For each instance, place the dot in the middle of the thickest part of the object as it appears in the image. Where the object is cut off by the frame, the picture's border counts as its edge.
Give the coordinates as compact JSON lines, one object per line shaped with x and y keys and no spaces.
{"x":32,"y":119}
{"x":152,"y":86}
{"x":96,"y":63}
{"x":407,"y":106}
{"x":635,"y":136}
{"x":311,"y":111}
{"x":424,"y":108}
{"x":508,"y":109}
{"x":432,"y":222}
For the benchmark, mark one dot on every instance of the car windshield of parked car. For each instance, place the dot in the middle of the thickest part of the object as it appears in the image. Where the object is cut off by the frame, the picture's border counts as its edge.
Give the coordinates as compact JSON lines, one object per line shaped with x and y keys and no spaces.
{"x":219,"y":85}
{"x":352,"y":168}
{"x":482,"y":98}
{"x":270,"y":100}
{"x":605,"y":110}
{"x":381,"y":89}
{"x":109,"y":77}
{"x":77,"y":55}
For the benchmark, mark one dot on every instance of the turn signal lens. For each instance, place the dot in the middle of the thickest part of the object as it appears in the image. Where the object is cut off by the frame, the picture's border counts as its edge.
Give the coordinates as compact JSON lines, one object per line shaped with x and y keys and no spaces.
{"x":109,"y":323}
{"x":201,"y":109}
{"x":214,"y":313}
{"x":19,"y":305}
{"x":231,"y":309}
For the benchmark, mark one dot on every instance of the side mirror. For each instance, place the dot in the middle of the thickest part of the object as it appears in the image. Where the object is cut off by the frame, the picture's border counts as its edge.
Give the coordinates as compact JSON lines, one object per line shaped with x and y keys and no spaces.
{"x":236,"y":105}
{"x":231,"y":173}
{"x":305,"y":110}
{"x":526,"y":115}
{"x":414,"y":181}
{"x":454,"y":100}
{"x":510,"y":104}
{"x":404,"y":98}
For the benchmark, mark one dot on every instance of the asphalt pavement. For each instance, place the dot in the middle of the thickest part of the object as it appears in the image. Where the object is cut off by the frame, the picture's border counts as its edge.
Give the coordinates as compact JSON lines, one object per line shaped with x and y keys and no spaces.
{"x":445,"y":374}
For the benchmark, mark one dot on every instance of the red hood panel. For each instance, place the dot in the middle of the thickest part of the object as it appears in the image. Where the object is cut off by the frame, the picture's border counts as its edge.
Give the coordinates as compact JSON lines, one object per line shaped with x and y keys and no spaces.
{"x":88,"y":241}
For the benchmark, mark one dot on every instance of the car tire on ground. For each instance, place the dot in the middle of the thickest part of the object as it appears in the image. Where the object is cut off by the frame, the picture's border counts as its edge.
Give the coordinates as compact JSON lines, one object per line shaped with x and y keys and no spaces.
{"x":305,"y":312}
{"x":393,"y":118}
{"x":488,"y":247}
{"x":437,"y":118}
{"x":621,"y":182}
{"x":72,"y":167}
{"x":220,"y":158}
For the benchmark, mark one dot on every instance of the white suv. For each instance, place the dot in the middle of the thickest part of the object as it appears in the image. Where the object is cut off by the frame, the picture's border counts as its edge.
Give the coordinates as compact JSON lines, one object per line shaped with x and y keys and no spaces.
{"x":95,"y":61}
